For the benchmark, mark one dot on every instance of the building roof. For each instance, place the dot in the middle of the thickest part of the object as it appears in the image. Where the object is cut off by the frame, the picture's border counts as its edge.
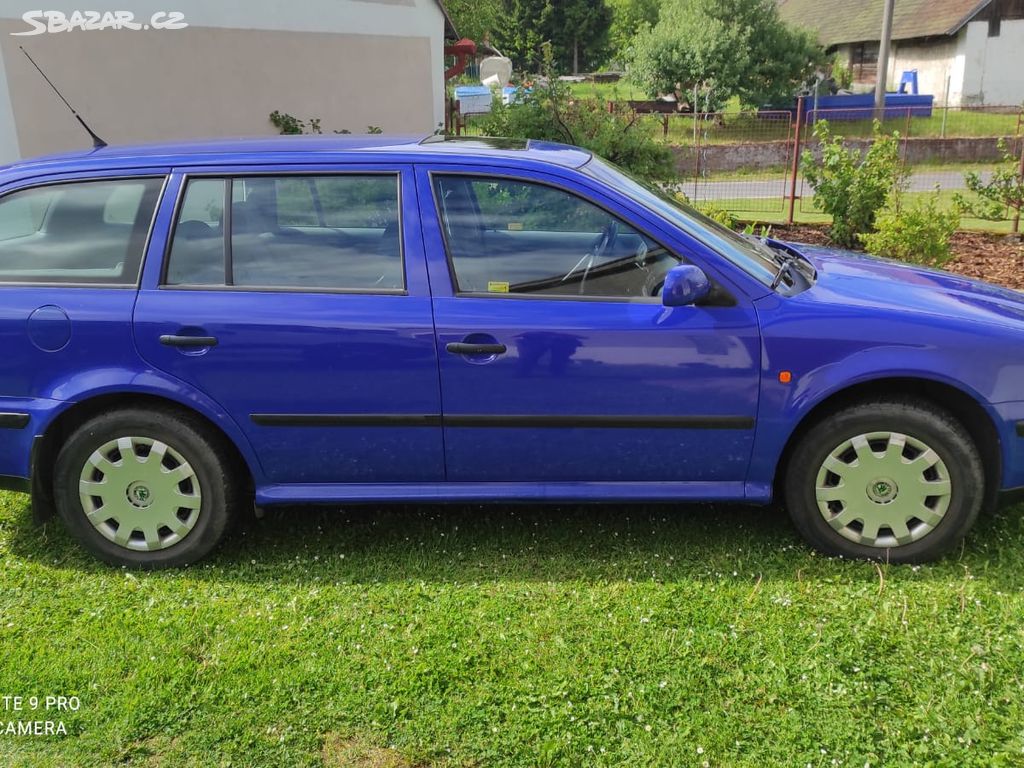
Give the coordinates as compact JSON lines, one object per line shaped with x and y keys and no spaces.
{"x":307,"y":150}
{"x":854,"y":21}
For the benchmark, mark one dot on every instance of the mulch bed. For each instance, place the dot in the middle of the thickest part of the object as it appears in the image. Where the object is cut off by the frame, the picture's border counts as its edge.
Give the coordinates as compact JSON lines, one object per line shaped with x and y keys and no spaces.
{"x":981,"y":255}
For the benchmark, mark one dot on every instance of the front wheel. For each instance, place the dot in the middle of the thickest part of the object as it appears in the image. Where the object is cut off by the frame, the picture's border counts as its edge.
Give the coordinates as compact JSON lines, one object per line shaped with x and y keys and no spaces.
{"x":887,"y":480}
{"x":145,"y":488}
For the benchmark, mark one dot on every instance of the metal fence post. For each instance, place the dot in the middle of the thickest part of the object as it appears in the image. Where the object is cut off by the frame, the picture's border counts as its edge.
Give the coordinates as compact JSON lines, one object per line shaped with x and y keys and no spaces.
{"x":1020,"y":170}
{"x":795,"y":171}
{"x":945,"y":108}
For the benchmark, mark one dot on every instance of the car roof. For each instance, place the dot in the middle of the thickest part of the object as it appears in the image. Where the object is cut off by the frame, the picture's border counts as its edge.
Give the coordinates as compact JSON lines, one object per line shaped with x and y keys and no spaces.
{"x":304,"y":149}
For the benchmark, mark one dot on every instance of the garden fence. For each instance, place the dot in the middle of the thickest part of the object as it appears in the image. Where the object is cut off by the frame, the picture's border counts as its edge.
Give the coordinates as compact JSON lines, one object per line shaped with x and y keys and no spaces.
{"x":748,"y":162}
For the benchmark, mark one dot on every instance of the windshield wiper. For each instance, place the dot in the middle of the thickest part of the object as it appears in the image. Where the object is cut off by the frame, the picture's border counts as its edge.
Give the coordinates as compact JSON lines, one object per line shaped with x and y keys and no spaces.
{"x":787,"y":264}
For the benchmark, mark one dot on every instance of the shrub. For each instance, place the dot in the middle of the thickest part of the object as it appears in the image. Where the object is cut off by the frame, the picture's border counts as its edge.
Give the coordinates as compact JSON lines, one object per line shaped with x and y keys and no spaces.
{"x":719,"y":214}
{"x":548,"y":111}
{"x":1003,"y":192}
{"x":850,"y":186}
{"x":918,"y":234}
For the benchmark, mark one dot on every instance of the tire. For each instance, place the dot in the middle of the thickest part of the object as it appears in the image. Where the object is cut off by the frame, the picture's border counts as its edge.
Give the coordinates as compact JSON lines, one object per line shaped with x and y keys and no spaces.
{"x":859,"y":472}
{"x":193,"y":467}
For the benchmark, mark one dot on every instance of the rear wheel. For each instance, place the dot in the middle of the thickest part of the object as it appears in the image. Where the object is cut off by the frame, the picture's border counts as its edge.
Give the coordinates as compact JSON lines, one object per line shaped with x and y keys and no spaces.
{"x":889,"y":480}
{"x":145,"y":489}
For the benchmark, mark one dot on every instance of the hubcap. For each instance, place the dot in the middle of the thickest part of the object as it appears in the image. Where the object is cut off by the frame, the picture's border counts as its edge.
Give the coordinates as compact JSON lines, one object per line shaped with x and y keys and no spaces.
{"x":140,"y":493}
{"x":883,"y":489}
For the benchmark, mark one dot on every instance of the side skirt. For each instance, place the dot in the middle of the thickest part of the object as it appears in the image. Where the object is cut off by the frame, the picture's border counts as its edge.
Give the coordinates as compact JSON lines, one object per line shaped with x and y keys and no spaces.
{"x":537,"y":492}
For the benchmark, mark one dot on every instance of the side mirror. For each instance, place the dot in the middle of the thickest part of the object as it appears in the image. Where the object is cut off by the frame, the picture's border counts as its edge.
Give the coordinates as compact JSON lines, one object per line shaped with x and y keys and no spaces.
{"x":685,"y":284}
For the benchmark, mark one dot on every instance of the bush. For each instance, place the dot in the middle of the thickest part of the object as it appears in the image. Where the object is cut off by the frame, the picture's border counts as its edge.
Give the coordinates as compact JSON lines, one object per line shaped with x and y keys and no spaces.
{"x":719,"y":214}
{"x":850,"y":186}
{"x":919,"y":234}
{"x":548,"y":111}
{"x":1002,"y":194}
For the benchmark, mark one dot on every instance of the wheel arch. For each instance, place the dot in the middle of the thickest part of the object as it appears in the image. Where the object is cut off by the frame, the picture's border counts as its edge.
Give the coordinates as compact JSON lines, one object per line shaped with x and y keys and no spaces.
{"x":48,"y":444}
{"x":965,"y":407}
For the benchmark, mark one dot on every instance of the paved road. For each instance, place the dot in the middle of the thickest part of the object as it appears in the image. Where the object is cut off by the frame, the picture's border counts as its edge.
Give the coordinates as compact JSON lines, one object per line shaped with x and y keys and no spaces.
{"x":924,"y":181}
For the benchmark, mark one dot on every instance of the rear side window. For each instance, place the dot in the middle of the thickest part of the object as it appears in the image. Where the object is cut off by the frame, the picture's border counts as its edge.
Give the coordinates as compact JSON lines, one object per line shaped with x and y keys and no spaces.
{"x":302,"y":232}
{"x":84,"y":232}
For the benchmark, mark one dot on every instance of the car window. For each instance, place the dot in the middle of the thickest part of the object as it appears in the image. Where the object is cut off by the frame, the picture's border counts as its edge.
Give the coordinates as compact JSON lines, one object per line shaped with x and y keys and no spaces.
{"x":514,"y":236}
{"x":197,"y":248}
{"x":82,"y":232}
{"x":745,"y":252}
{"x":328,"y":232}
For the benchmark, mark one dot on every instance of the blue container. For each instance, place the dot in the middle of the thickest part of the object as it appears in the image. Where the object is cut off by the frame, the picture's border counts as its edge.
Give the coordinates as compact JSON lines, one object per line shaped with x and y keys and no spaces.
{"x":861,"y":106}
{"x":473,"y":99}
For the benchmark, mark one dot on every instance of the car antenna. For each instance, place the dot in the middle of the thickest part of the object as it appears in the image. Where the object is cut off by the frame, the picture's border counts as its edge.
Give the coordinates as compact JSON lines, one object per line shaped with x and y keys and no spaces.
{"x":97,"y":142}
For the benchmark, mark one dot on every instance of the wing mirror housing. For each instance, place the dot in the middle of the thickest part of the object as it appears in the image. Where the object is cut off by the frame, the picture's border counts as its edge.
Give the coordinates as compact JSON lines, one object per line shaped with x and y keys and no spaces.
{"x":685,"y":285}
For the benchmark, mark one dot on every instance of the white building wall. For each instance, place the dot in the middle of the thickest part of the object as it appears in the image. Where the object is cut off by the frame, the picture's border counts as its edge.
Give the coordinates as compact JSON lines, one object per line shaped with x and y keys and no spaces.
{"x":935,"y":61}
{"x":364,"y":62}
{"x":994,"y":71}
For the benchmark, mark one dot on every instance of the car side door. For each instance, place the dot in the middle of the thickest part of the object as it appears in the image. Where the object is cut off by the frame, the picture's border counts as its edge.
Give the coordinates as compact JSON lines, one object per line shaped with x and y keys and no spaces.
{"x":559,"y":363}
{"x":297,"y":298}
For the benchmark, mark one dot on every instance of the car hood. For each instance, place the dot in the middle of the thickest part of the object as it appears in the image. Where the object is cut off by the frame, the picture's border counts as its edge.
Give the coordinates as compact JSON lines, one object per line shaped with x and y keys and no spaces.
{"x":856,"y":279}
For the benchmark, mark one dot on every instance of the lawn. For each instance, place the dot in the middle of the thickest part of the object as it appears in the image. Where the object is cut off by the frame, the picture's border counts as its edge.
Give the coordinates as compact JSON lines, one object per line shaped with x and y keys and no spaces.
{"x":517,"y":636}
{"x":771,"y":210}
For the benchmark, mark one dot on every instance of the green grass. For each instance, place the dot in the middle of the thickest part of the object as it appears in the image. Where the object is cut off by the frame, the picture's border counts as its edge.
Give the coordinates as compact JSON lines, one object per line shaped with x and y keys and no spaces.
{"x":522,"y":636}
{"x":775,"y":210}
{"x":623,"y":90}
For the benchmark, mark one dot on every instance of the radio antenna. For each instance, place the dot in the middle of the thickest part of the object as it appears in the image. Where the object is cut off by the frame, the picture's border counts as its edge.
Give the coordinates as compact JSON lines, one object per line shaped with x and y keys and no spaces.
{"x":97,"y":142}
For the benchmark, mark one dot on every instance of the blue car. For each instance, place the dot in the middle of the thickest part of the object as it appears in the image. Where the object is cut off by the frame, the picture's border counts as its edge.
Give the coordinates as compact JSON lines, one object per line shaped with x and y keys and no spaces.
{"x":191,"y":329}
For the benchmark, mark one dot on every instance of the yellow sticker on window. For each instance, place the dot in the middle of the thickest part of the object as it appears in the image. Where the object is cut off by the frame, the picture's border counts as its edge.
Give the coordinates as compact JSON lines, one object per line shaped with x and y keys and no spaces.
{"x":496,"y":286}
{"x":515,"y":226}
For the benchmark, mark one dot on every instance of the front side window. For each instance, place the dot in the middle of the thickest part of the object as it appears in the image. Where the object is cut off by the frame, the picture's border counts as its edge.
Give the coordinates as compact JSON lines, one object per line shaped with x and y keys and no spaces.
{"x":513,"y":236}
{"x":745,"y":252}
{"x":327,"y":232}
{"x":88,"y":232}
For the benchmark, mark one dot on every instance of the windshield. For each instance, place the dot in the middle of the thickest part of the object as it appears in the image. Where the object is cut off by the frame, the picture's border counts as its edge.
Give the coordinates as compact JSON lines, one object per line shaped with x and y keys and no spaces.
{"x":754,"y":258}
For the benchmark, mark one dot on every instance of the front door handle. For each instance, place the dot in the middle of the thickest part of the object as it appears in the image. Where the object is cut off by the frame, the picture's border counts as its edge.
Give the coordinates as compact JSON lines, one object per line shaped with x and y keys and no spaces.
{"x":171,"y":340}
{"x":465,"y":348}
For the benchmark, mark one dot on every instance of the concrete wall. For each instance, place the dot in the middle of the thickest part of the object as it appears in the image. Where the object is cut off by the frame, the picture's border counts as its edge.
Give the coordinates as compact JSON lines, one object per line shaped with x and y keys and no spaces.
{"x":778,"y":154}
{"x":351,"y":63}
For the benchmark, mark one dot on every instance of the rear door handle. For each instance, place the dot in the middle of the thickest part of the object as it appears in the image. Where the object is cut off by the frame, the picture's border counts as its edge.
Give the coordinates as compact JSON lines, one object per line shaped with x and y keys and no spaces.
{"x":171,"y":340}
{"x":464,"y":348}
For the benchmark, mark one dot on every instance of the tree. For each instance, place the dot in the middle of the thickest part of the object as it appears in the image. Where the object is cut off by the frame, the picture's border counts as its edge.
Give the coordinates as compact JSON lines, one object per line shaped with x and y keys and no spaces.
{"x":629,"y":17}
{"x":576,"y":29}
{"x":724,"y":48}
{"x":474,"y":18}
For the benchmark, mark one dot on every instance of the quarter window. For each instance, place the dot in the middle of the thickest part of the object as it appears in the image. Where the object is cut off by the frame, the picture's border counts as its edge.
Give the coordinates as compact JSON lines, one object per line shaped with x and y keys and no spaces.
{"x":511,"y":236}
{"x":82,"y":232}
{"x":330,"y":232}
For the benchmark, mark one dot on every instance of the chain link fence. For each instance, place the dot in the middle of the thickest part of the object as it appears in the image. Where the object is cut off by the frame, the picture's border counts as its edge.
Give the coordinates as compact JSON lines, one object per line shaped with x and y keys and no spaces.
{"x":748,"y":162}
{"x":938,"y":147}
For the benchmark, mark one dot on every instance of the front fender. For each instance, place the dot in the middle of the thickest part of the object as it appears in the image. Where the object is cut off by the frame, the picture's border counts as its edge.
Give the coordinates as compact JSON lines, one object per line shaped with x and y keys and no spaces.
{"x":784,"y":406}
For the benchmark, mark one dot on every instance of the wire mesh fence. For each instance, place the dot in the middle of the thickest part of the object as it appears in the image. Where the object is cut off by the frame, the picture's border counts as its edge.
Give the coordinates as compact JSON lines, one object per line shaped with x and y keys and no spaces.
{"x":749,"y":162}
{"x":938,"y":148}
{"x":739,"y":161}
